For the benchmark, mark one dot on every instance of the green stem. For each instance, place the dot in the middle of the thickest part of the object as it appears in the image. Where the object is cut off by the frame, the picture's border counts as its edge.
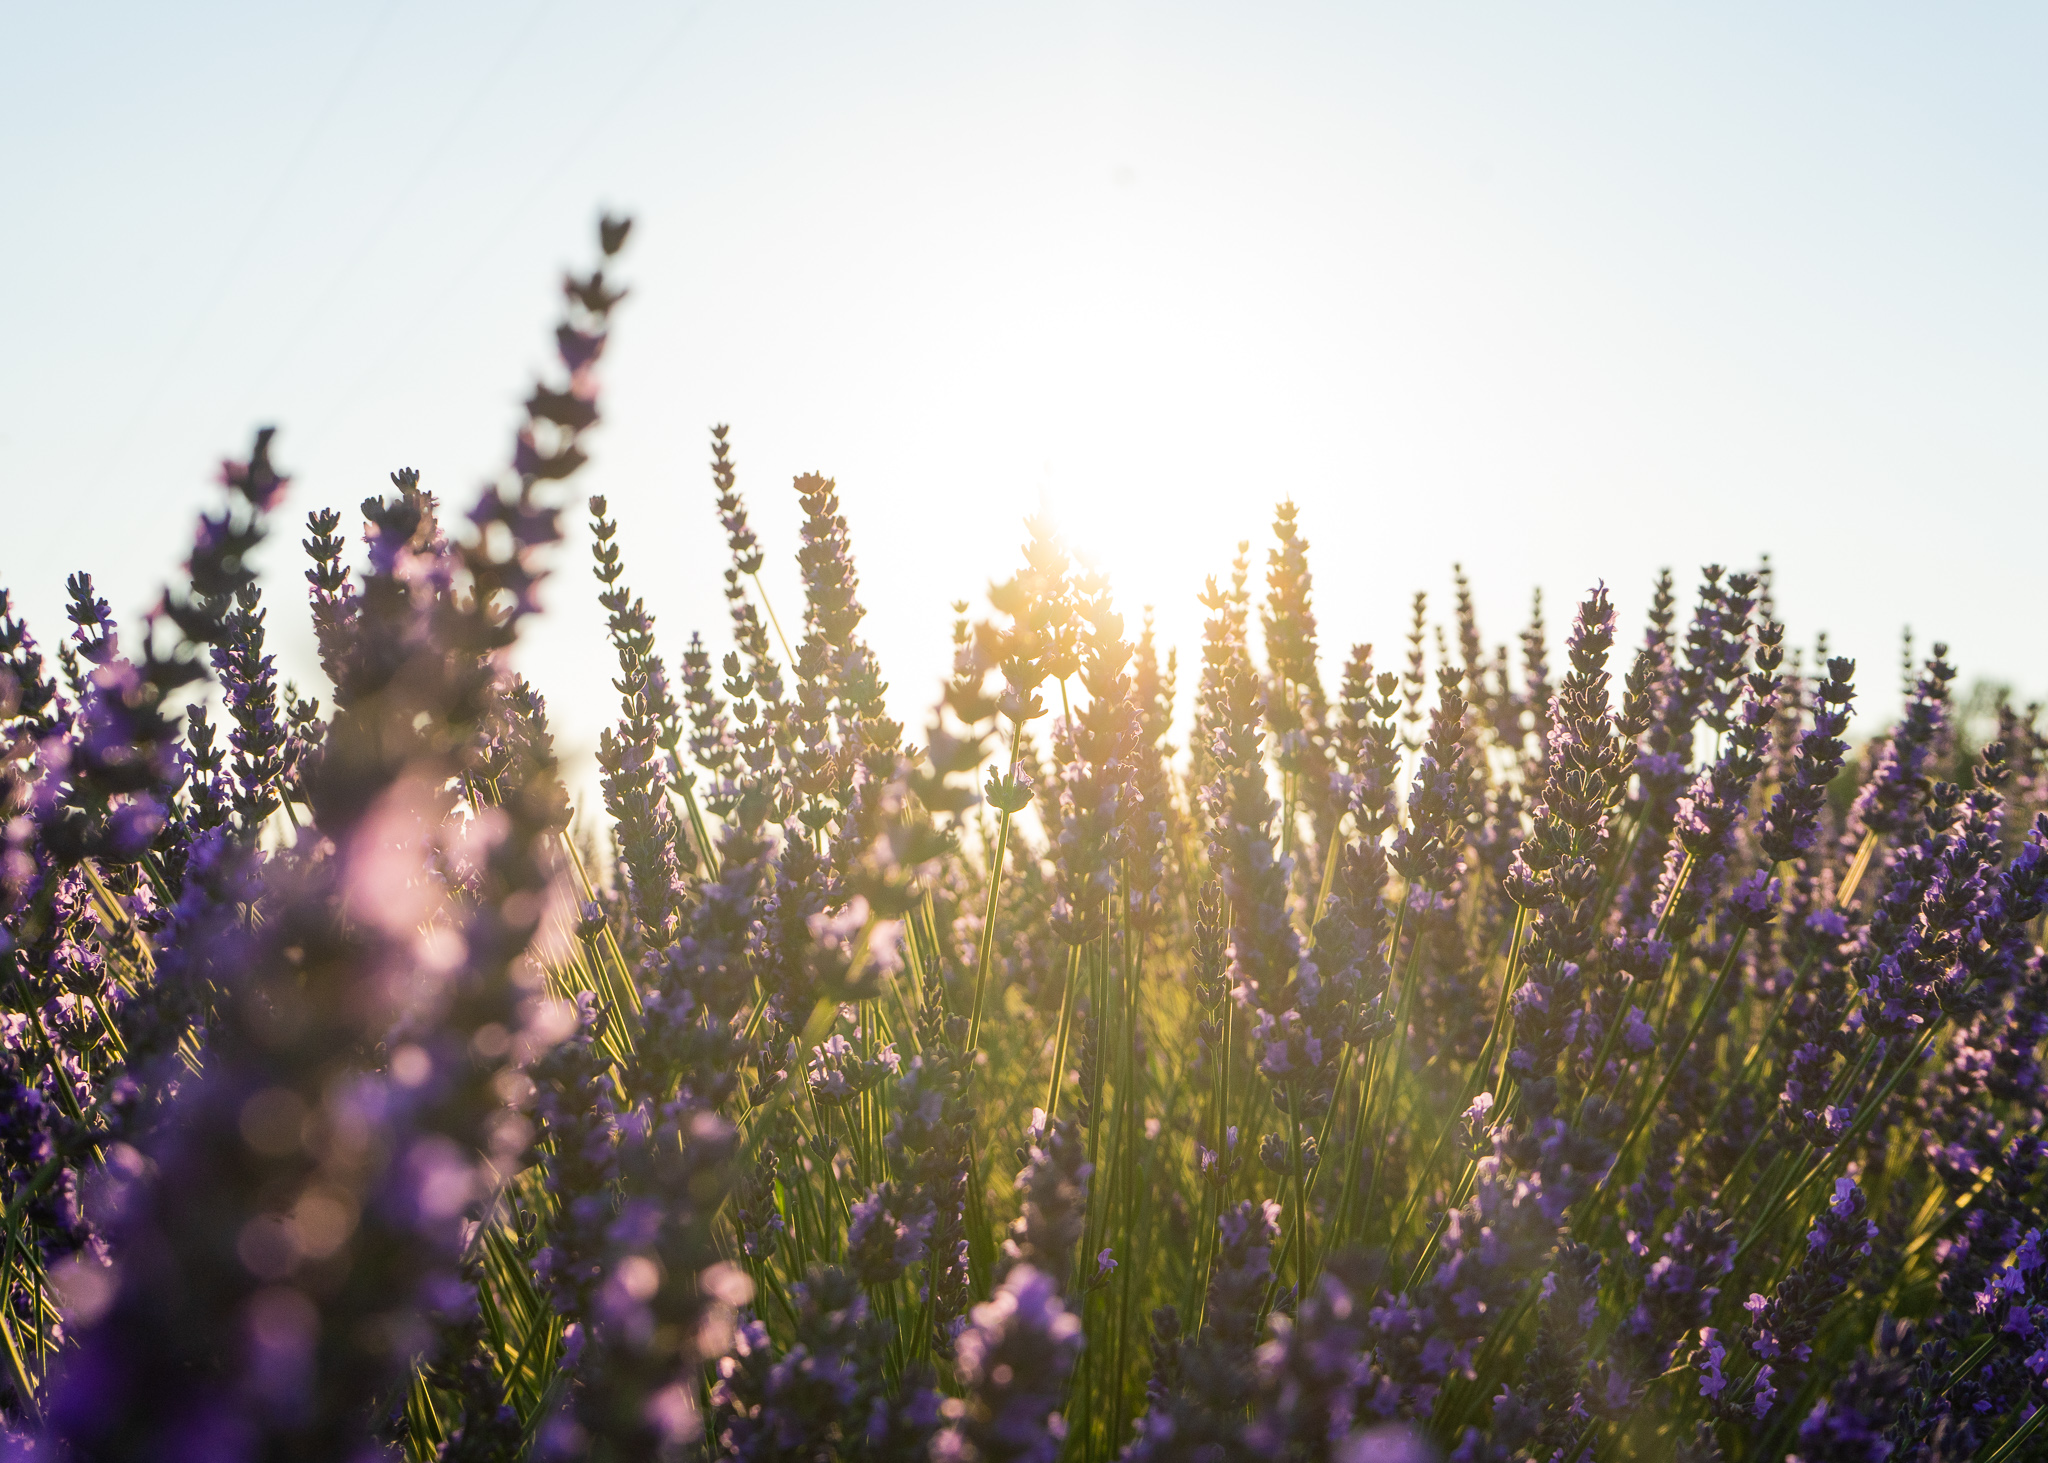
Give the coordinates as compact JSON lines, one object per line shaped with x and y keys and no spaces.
{"x":762,"y":590}
{"x":1300,"y":1197}
{"x":1395,"y":1047}
{"x":1611,"y":885}
{"x":704,"y":845}
{"x":1062,"y":1034}
{"x":1130,"y":1108}
{"x":624,"y":992}
{"x":1329,"y":876}
{"x":1844,"y":1144}
{"x":986,"y":954}
{"x":24,"y":1388}
{"x":1496,"y":1034}
{"x":1379,"y":1158}
{"x":1756,"y":1049}
{"x":1671,"y":901}
{"x":2010,"y":1447}
{"x":1099,"y":1193}
{"x":1858,"y":867}
{"x":1340,"y":1222}
{"x":123,"y":926}
{"x":1648,"y":1111}
{"x":1769,"y":1124}
{"x":1210,"y":1238}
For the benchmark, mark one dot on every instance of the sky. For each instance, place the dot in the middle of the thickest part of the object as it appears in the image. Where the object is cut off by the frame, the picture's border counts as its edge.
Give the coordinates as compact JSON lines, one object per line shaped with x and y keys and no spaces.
{"x":1565,"y":294}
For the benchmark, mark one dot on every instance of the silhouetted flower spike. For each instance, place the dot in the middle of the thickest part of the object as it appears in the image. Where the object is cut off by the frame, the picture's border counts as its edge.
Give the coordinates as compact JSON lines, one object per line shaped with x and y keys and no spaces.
{"x":1637,"y":709}
{"x":33,"y":702}
{"x":1288,"y":618}
{"x":634,"y":772}
{"x":764,"y":730}
{"x":331,"y":590}
{"x":712,"y":744}
{"x":1471,"y":650}
{"x":732,"y":508}
{"x":1413,"y":681}
{"x":1267,"y":964}
{"x":248,"y":681}
{"x":1898,"y":784}
{"x":1368,"y":744}
{"x":1536,"y":687}
{"x":1792,"y":824}
{"x":1553,"y":875}
{"x":93,"y":627}
{"x":255,"y":480}
{"x":1295,"y":706}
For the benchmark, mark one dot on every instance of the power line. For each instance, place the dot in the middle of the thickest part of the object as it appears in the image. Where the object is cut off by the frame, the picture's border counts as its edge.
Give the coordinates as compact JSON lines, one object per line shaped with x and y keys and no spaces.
{"x":429,"y":161}
{"x":259,"y":223}
{"x":497,"y":235}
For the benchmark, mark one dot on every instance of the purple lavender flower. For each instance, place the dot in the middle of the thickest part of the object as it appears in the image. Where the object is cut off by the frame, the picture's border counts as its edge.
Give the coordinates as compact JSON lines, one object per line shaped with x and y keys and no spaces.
{"x":636,"y":775}
{"x":1054,"y":1188}
{"x":887,"y":1235}
{"x":408,"y":1121}
{"x":828,"y":1392}
{"x":1013,"y":1360}
{"x":1897,"y":784}
{"x":1792,"y":825}
{"x":1782,"y":1325}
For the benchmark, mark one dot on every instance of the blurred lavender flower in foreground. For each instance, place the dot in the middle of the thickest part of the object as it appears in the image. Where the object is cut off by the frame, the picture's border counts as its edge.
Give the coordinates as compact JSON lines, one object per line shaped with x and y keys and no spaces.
{"x":1638,"y":1062}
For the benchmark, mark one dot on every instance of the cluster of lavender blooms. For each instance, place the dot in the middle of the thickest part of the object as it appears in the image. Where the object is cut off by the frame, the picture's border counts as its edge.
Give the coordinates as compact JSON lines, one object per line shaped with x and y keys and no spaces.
{"x":1485,"y":1059}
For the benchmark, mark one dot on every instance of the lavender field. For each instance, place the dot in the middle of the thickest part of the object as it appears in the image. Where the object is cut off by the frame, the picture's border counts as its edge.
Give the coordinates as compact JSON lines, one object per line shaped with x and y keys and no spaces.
{"x":1605,"y":1045}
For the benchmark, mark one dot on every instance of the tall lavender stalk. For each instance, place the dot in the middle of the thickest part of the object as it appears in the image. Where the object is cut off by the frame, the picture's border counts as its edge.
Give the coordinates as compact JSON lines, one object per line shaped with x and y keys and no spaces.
{"x":1497,"y":1056}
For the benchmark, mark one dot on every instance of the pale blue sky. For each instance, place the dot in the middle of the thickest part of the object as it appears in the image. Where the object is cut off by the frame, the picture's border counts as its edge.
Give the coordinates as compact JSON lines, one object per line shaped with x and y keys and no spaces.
{"x":1565,"y":292}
